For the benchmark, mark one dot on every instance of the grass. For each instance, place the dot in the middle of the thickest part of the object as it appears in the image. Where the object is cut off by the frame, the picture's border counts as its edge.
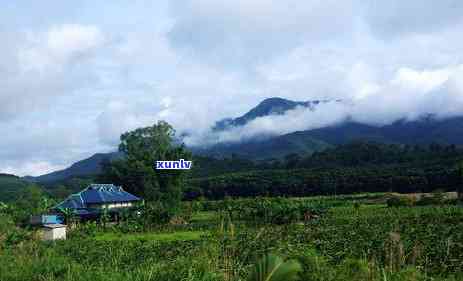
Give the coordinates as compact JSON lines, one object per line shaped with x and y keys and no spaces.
{"x":163,"y":237}
{"x":204,"y":216}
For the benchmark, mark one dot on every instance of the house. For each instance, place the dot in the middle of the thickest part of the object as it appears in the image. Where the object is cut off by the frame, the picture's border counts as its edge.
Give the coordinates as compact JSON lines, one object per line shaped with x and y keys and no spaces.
{"x":53,"y":232}
{"x":96,"y":199}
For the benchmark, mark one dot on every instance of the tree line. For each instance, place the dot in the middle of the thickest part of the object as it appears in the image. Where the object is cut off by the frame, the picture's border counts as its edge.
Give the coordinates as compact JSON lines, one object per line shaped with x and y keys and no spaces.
{"x":350,"y":168}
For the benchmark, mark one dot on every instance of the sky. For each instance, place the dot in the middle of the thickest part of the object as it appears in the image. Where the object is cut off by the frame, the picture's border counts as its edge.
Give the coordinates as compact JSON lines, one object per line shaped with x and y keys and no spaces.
{"x":74,"y":75}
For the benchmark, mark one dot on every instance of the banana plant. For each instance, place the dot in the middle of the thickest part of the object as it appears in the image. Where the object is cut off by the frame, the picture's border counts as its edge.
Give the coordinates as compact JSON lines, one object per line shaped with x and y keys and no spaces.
{"x":68,"y":215}
{"x":274,"y":268}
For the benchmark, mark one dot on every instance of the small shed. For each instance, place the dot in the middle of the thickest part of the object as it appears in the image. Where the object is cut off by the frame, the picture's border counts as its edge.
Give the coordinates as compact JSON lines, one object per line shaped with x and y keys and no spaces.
{"x":46,"y":219}
{"x":54,"y":232}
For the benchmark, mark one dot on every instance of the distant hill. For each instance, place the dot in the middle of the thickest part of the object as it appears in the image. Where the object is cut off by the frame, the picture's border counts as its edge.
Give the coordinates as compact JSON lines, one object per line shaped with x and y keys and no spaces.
{"x":11,"y":187}
{"x":84,"y":168}
{"x":276,"y":147}
{"x":423,"y":131}
{"x":420,"y":132}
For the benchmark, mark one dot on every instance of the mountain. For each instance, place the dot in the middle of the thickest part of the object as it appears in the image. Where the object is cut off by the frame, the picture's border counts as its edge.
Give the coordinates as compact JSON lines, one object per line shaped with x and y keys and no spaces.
{"x":84,"y":168}
{"x":258,"y":149}
{"x":270,"y":106}
{"x":423,"y":131}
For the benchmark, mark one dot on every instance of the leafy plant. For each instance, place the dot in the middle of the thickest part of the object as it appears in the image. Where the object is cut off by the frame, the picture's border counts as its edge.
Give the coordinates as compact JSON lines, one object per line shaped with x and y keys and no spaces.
{"x":274,"y":268}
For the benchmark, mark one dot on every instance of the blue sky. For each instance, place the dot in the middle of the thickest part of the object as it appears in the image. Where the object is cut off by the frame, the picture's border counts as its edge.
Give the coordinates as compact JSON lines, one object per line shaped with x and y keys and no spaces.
{"x":74,"y":75}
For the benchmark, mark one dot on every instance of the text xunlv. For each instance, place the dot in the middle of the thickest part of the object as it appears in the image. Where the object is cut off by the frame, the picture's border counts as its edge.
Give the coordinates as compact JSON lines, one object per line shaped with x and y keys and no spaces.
{"x":173,"y":165}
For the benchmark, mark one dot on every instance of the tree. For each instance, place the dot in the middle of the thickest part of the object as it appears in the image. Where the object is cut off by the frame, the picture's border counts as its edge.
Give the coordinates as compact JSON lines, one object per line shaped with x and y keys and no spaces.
{"x":136,"y":172}
{"x":460,"y":186}
{"x":292,"y":160}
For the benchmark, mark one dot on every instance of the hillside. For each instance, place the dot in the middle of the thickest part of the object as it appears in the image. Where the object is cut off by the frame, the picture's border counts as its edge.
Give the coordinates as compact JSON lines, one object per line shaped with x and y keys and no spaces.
{"x":11,"y":187}
{"x":277,"y":147}
{"x":84,"y":168}
{"x":423,"y":131}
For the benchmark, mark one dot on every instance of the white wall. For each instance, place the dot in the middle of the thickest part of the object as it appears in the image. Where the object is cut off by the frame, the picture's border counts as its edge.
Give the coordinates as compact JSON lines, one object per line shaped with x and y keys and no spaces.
{"x":53,"y":233}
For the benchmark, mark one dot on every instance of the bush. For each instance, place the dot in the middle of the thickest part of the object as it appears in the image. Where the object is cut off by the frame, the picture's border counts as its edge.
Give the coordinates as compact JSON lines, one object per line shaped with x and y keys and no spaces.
{"x":315,"y":267}
{"x":158,"y":213}
{"x":400,"y":201}
{"x":429,"y":200}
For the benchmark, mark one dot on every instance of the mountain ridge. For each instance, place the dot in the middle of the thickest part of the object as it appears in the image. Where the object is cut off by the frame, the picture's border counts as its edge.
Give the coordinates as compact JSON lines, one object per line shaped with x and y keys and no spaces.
{"x":422,"y":132}
{"x":86,"y":167}
{"x":269,"y":106}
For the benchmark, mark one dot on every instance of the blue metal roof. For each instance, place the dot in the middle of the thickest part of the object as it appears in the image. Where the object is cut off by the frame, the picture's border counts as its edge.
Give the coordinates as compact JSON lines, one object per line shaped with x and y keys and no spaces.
{"x":74,"y":201}
{"x":97,"y":194}
{"x":106,"y":193}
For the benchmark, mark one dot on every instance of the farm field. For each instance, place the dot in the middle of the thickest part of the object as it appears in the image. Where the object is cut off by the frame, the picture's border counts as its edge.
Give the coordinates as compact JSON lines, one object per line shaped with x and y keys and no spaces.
{"x":342,"y":238}
{"x":174,"y":236}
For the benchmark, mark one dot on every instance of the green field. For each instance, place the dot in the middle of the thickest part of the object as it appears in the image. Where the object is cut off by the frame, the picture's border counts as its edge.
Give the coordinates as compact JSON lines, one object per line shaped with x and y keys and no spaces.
{"x":163,"y":237}
{"x":332,"y":238}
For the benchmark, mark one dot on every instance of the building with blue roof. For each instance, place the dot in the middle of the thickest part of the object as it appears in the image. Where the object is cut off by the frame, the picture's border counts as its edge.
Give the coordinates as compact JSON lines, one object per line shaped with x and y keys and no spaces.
{"x":95,"y":198}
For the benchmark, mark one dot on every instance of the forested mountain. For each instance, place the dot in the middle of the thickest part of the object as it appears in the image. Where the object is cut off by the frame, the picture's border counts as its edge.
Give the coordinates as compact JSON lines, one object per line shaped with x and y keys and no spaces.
{"x":423,"y":132}
{"x":260,"y":149}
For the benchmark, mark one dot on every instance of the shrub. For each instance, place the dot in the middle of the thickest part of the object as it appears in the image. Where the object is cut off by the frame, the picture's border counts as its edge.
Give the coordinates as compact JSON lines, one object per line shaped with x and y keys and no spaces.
{"x":315,"y":267}
{"x":429,"y":200}
{"x":400,"y":201}
{"x":353,"y":269}
{"x":157,"y":213}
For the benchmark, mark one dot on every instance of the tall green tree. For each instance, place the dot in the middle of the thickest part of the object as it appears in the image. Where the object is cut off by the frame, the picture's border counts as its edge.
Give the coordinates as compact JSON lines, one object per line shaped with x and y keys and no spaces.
{"x":460,"y":186}
{"x":137,"y":171}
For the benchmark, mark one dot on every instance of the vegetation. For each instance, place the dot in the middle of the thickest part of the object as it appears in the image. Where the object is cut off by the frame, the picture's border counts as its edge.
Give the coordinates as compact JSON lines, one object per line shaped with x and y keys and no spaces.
{"x":273,"y":268}
{"x":143,"y":147}
{"x":346,"y":169}
{"x":354,"y":237}
{"x":460,"y":186}
{"x":12,"y":187}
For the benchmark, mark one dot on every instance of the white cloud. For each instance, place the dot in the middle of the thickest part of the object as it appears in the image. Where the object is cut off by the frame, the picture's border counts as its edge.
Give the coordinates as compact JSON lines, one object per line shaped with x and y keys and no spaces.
{"x":413,"y":93}
{"x":396,"y":17}
{"x":298,"y":119}
{"x":236,"y":33}
{"x":52,"y":49}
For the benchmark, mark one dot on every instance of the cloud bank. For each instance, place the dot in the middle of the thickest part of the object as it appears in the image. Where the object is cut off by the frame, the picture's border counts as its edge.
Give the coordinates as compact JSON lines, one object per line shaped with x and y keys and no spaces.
{"x":409,"y":95}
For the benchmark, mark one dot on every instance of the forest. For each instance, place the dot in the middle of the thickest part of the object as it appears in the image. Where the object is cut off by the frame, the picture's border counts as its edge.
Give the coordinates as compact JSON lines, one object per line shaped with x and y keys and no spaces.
{"x":346,"y":169}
